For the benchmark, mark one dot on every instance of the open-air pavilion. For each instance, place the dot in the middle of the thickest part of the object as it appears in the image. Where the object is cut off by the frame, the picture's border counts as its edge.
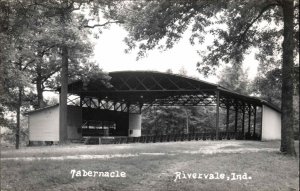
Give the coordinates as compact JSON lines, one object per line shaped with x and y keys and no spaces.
{"x":97,"y":110}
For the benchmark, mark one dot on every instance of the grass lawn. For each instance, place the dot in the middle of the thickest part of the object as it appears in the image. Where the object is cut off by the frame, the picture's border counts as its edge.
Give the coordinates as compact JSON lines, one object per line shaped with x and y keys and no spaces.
{"x":151,"y":166}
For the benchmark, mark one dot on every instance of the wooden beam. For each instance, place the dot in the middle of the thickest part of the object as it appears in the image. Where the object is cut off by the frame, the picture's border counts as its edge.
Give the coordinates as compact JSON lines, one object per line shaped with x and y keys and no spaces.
{"x":141,"y":83}
{"x":125,"y":83}
{"x":157,"y":83}
{"x":173,"y":83}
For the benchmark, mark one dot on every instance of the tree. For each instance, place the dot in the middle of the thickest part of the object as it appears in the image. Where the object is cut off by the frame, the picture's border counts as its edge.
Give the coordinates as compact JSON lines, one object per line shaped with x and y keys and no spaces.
{"x":15,"y":59}
{"x":182,"y":71}
{"x":48,"y":52}
{"x":235,"y":79}
{"x":268,"y":87}
{"x":237,"y":27}
{"x":36,"y":37}
{"x":62,"y":12}
{"x":169,"y":71}
{"x":177,"y":120}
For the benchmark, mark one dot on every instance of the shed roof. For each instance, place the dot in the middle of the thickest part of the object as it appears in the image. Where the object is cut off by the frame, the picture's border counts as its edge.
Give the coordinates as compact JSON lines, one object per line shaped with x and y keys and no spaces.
{"x":41,"y":109}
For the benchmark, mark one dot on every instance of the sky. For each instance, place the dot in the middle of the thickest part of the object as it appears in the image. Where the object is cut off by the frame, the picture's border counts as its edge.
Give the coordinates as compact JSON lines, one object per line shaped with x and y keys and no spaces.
{"x":109,"y":53}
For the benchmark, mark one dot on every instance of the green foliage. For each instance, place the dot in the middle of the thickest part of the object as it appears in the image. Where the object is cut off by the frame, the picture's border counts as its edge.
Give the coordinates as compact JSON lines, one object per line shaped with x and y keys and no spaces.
{"x":269,"y":87}
{"x":36,"y":36}
{"x":14,"y":78}
{"x":177,"y":120}
{"x":32,"y":34}
{"x":91,"y":74}
{"x":237,"y":26}
{"x":235,"y":79}
{"x":153,"y":22}
{"x":8,"y":133}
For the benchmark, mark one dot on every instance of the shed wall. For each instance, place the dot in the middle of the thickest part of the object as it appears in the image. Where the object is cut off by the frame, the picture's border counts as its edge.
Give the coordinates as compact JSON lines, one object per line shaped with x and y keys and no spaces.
{"x":271,"y":124}
{"x":44,"y":125}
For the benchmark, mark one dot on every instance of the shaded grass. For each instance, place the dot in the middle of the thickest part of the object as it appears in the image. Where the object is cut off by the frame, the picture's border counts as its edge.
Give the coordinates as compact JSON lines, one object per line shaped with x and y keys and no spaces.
{"x":269,"y":170}
{"x":79,"y":149}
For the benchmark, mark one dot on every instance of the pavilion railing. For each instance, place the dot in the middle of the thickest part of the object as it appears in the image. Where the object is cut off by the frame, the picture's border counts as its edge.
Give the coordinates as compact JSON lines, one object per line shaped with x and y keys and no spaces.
{"x":168,"y":138}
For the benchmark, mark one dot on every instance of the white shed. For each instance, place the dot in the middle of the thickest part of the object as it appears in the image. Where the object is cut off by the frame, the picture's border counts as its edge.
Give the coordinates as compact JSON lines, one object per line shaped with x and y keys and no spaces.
{"x":271,"y":123}
{"x":44,"y":124}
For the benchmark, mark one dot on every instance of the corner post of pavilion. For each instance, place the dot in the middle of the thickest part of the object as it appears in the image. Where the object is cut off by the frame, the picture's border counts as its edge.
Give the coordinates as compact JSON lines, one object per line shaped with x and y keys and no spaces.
{"x":243,"y":121}
{"x":227,"y":119}
{"x":254,"y":122}
{"x":236,"y":118}
{"x":248,"y":134}
{"x":217,"y":113}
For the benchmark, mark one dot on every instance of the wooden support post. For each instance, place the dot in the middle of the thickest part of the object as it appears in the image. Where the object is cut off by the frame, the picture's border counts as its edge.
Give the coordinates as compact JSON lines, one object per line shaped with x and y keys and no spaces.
{"x":261,"y":121}
{"x":140,"y":108}
{"x":79,"y":130}
{"x":217,"y":114}
{"x":254,"y":124}
{"x":81,"y":100}
{"x":227,"y":120}
{"x":235,"y":121}
{"x":249,"y":119}
{"x":243,"y":121}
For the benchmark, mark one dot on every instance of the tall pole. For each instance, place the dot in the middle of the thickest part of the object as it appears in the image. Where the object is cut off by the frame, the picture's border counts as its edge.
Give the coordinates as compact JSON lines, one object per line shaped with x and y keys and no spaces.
{"x":243,"y":121}
{"x":254,"y":124}
{"x":236,"y":121}
{"x":249,"y":117}
{"x":217,"y":114}
{"x":227,"y":120}
{"x":187,"y":121}
{"x":261,"y":121}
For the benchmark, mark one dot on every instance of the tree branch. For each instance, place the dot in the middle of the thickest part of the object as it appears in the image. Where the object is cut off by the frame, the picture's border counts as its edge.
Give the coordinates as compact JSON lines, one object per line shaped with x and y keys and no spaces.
{"x":28,"y":63}
{"x":263,"y":10}
{"x":46,"y":49}
{"x":49,"y":90}
{"x":46,"y":77}
{"x":101,"y":25}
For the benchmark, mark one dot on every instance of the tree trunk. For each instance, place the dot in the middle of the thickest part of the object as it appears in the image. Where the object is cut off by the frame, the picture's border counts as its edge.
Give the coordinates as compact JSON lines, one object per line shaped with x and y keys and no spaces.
{"x":64,"y":86}
{"x":18,"y":117}
{"x":287,"y":132}
{"x":19,"y":104}
{"x":39,"y":87}
{"x":63,"y":95}
{"x":40,"y":96}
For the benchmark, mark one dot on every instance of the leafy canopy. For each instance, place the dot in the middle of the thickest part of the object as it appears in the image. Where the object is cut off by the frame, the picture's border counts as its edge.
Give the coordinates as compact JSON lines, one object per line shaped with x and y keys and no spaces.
{"x":237,"y":27}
